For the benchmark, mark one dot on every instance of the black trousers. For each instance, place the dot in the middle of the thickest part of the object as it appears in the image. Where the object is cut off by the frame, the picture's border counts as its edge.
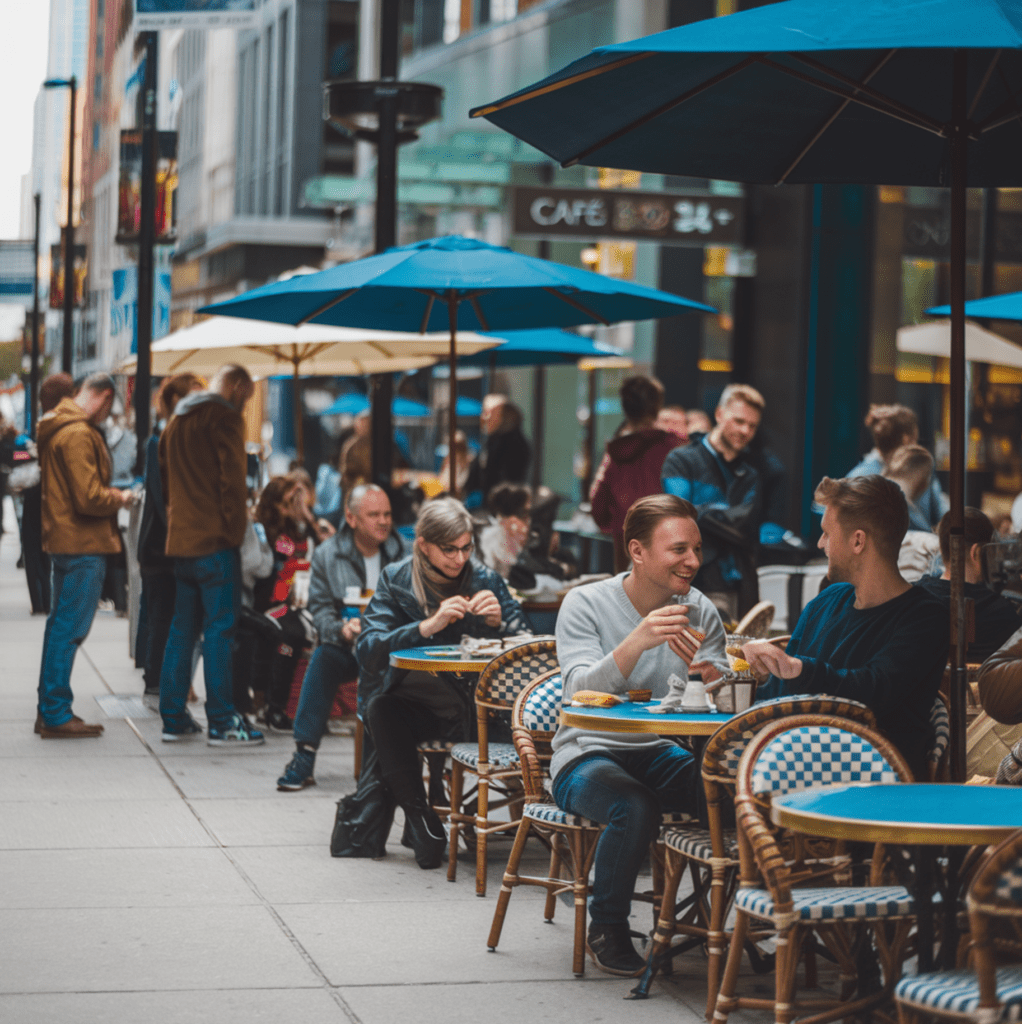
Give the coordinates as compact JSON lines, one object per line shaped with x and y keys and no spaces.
{"x":37,"y":561}
{"x":159,"y":591}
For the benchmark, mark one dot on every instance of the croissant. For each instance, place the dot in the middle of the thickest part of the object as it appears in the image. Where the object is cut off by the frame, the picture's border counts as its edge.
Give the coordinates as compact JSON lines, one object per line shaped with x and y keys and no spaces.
{"x":594,"y":699}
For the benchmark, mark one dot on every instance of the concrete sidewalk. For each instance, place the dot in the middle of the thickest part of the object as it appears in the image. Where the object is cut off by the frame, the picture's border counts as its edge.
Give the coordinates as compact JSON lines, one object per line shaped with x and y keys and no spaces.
{"x":172,"y":883}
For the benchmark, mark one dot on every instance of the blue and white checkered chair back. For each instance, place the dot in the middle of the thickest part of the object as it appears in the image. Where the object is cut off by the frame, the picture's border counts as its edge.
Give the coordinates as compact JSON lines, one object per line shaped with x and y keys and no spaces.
{"x":542,"y":709}
{"x":1009,"y":884}
{"x":940,"y":722}
{"x":818,"y":755}
{"x":509,"y":673}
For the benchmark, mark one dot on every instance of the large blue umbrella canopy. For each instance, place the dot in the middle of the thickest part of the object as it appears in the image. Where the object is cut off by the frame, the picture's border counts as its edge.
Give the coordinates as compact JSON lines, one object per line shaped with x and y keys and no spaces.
{"x":909,"y":92}
{"x":541,"y":347}
{"x":454,"y":283}
{"x":993,"y":307}
{"x":354,"y":404}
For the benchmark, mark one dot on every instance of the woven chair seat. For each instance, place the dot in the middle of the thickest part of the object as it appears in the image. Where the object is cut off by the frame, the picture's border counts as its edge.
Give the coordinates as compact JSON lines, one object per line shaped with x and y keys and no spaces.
{"x":676,"y":818}
{"x":502,"y":755}
{"x":834,"y":903}
{"x":958,"y":992}
{"x":696,"y":843}
{"x":551,"y":814}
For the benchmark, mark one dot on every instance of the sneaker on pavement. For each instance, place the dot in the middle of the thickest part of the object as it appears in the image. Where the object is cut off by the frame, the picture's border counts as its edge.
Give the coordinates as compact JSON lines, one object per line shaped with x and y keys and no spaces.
{"x":611,"y":949}
{"x":174,"y":733}
{"x":238,"y":734}
{"x":298,"y":773}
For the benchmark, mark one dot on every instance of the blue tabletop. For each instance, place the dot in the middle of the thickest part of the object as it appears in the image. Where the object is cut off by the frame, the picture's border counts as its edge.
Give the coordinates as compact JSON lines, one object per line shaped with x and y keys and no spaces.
{"x":923,"y":808}
{"x":628,"y":712}
{"x":629,"y":717}
{"x":443,"y":652}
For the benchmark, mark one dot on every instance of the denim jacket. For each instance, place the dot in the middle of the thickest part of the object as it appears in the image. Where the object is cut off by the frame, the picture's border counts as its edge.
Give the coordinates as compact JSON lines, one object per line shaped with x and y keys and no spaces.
{"x":391,"y":623}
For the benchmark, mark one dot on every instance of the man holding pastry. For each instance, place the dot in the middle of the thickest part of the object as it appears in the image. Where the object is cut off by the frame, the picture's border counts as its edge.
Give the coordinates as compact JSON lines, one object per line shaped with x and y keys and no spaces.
{"x":627,"y":633}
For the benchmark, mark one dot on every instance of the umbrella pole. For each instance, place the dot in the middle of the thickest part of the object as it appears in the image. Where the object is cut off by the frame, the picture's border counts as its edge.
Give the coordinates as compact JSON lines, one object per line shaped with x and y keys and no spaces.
{"x":959,"y":171}
{"x":296,"y":397}
{"x":452,"y":411}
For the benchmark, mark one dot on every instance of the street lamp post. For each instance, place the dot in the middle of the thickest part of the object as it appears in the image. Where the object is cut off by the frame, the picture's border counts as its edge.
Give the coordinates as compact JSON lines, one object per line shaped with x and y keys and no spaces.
{"x":69,"y":232}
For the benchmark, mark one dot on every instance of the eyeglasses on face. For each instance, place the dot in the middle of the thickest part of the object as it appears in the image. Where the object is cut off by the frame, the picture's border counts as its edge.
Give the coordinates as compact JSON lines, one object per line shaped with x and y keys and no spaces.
{"x":450,"y":550}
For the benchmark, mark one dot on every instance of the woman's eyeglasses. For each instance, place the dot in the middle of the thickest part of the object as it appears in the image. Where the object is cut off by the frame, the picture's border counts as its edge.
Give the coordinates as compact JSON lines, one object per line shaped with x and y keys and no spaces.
{"x":450,"y":550}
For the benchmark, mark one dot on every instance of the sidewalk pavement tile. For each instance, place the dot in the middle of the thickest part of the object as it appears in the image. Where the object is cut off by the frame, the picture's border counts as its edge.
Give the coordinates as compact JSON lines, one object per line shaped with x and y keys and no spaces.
{"x":224,"y":1006}
{"x":152,"y":948}
{"x":281,"y":819}
{"x":99,"y":825}
{"x":18,"y":740}
{"x":175,"y":877}
{"x":46,"y":778}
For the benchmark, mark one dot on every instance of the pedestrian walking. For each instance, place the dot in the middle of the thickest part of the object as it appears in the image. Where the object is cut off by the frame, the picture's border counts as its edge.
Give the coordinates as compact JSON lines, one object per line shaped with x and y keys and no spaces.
{"x":79,"y":530}
{"x":202,"y":470}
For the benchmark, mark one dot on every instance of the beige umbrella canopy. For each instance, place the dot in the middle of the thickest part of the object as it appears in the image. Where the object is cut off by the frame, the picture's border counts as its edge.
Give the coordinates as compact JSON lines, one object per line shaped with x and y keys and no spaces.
{"x":267,"y":349}
{"x":981,"y":346}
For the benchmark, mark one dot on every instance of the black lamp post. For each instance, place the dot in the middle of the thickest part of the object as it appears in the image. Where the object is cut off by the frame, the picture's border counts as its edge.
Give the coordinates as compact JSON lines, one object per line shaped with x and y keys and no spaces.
{"x":69,"y":232}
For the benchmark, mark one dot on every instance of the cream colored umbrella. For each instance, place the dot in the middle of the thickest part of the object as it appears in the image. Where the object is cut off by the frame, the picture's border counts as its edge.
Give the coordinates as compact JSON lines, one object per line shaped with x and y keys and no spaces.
{"x":267,"y":349}
{"x":981,"y":346}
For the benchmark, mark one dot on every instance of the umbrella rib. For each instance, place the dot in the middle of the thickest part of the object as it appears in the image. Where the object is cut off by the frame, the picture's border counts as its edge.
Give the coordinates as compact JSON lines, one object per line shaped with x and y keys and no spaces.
{"x":662,"y":109}
{"x":998,"y":118}
{"x":578,"y":305}
{"x":818,"y":134}
{"x":425,"y":316}
{"x":326,"y":305}
{"x":984,"y":83}
{"x":890,"y":108}
{"x":187,"y":355}
{"x":534,"y":93}
{"x":474,"y":303}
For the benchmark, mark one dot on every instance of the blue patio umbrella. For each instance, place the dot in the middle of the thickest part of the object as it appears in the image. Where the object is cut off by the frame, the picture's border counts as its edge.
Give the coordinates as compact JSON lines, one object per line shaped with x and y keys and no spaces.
{"x":894,"y":92}
{"x":354,"y":404}
{"x":993,"y":307}
{"x":454,"y":283}
{"x":544,"y":347}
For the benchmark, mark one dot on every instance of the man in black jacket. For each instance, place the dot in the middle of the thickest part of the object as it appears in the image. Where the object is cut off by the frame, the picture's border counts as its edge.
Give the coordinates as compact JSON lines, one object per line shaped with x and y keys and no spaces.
{"x":352,"y":559}
{"x":506,"y":454}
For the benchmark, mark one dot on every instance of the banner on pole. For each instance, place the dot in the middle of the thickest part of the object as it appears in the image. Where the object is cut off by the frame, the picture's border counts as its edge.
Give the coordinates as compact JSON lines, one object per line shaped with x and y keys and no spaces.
{"x":81,"y":269}
{"x":124,"y":306}
{"x":129,"y":188}
{"x":152,"y":15}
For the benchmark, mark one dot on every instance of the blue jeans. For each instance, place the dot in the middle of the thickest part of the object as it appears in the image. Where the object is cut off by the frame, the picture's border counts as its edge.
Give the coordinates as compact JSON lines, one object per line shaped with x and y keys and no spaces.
{"x":77,"y":583}
{"x":626,"y":790}
{"x":330,"y":666}
{"x":207,"y":600}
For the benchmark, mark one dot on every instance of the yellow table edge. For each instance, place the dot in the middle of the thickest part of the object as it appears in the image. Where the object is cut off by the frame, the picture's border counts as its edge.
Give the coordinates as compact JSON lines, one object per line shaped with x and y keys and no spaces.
{"x":667,"y":726}
{"x":833,"y":827}
{"x":440,"y":665}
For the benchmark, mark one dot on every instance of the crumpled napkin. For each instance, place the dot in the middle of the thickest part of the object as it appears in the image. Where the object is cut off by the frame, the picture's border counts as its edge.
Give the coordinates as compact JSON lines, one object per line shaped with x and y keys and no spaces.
{"x":675,"y":697}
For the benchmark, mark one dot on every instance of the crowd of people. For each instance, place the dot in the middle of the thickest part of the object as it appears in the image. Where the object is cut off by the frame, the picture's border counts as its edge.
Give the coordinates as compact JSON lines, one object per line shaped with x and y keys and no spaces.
{"x":256,"y":581}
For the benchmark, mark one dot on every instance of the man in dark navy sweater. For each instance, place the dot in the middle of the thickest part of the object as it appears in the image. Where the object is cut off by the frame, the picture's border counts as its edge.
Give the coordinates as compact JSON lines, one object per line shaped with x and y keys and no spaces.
{"x":870,"y":636}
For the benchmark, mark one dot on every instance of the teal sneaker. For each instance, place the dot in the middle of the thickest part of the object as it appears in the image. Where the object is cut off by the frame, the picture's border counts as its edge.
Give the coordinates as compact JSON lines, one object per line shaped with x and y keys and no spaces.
{"x":238,"y":734}
{"x":298,"y":773}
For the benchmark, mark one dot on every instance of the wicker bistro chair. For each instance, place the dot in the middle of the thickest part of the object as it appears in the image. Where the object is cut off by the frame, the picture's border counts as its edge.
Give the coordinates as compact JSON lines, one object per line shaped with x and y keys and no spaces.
{"x":711,"y":855}
{"x":794,"y":883}
{"x":571,"y":839}
{"x":989,"y":992}
{"x":492,"y":763}
{"x":937,"y":757}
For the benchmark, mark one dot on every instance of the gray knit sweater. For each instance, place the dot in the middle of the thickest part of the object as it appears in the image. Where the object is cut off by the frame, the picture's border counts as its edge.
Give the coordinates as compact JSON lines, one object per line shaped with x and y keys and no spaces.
{"x":592,"y":621}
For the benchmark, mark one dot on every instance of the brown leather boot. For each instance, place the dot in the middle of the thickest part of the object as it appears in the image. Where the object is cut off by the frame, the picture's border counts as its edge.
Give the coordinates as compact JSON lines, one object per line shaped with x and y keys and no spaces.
{"x":39,"y":723}
{"x":75,"y":729}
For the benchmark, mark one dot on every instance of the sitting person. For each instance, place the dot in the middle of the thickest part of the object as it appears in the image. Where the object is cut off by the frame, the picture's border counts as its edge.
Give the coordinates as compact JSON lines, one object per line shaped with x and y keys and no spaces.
{"x":503,"y":539}
{"x":629,"y":632}
{"x":911,"y":468}
{"x":354,"y":557}
{"x":869,"y":636}
{"x":996,"y":617}
{"x":436,"y":596}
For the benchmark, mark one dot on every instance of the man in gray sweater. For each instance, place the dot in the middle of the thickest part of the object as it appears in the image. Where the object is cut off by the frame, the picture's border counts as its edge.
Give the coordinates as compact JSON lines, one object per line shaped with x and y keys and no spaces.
{"x":626,"y":633}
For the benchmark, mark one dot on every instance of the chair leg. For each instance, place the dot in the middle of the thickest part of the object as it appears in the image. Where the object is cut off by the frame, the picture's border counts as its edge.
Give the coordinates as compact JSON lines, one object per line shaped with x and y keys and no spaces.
{"x":457,"y":786}
{"x":556,"y":859}
{"x":726,"y":996}
{"x":716,"y":937}
{"x":580,"y":887}
{"x":788,"y":948}
{"x":673,"y":867}
{"x":482,"y":810}
{"x":510,"y":881}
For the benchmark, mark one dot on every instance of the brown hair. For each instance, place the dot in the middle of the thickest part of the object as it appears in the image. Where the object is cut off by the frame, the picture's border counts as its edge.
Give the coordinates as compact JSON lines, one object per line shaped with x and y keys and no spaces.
{"x":173,"y":389}
{"x":741,"y":393}
{"x":978,"y":530}
{"x":53,"y":389}
{"x":648,"y":513}
{"x":277,"y":490}
{"x":872,"y":504}
{"x":642,"y":397}
{"x":889,"y":425}
{"x":912,"y":466}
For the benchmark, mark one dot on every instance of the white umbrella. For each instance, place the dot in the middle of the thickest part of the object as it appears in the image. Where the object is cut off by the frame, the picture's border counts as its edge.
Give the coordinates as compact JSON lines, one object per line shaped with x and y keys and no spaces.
{"x":267,"y":349}
{"x":981,"y":346}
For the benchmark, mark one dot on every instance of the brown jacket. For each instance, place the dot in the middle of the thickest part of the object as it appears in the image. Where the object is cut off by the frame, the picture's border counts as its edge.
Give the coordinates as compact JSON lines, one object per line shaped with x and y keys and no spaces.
{"x":202,"y":467}
{"x":1000,"y":682}
{"x":79,"y":506}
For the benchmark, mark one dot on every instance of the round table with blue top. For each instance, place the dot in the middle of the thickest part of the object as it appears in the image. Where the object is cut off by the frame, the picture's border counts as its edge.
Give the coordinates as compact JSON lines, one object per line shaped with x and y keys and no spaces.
{"x":440,"y":658}
{"x":919,"y":816}
{"x":641,"y":717}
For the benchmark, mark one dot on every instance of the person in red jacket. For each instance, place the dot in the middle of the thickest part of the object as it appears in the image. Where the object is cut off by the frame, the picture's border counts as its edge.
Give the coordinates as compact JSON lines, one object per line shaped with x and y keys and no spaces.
{"x":631,"y":465}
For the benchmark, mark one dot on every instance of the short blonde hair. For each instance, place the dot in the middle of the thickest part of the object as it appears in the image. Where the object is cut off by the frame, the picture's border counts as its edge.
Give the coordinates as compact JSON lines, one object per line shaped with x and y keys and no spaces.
{"x":741,"y":393}
{"x":872,"y":504}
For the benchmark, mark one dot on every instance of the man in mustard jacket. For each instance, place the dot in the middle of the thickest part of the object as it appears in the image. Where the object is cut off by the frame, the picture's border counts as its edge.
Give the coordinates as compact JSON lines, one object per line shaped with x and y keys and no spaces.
{"x":202,"y":466}
{"x":79,"y":522}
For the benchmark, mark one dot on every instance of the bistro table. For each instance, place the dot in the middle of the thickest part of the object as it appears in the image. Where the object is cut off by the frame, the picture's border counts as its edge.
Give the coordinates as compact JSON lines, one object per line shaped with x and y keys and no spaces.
{"x":629,"y":717}
{"x":921,"y":816}
{"x":441,"y":658}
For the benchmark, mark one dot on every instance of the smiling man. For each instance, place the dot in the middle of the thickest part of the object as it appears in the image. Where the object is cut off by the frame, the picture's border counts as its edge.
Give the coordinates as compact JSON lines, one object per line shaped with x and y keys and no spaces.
{"x":869,"y":636}
{"x":630,"y":633}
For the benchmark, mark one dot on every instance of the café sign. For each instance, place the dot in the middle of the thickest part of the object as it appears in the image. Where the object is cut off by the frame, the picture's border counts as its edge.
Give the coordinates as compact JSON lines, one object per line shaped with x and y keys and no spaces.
{"x":675,"y":218}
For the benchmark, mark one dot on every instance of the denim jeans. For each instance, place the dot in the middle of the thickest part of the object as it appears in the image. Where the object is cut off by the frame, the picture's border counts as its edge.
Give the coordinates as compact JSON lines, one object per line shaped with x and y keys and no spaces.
{"x":207,"y":600}
{"x":330,"y":666}
{"x":626,"y":790}
{"x":77,"y":582}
